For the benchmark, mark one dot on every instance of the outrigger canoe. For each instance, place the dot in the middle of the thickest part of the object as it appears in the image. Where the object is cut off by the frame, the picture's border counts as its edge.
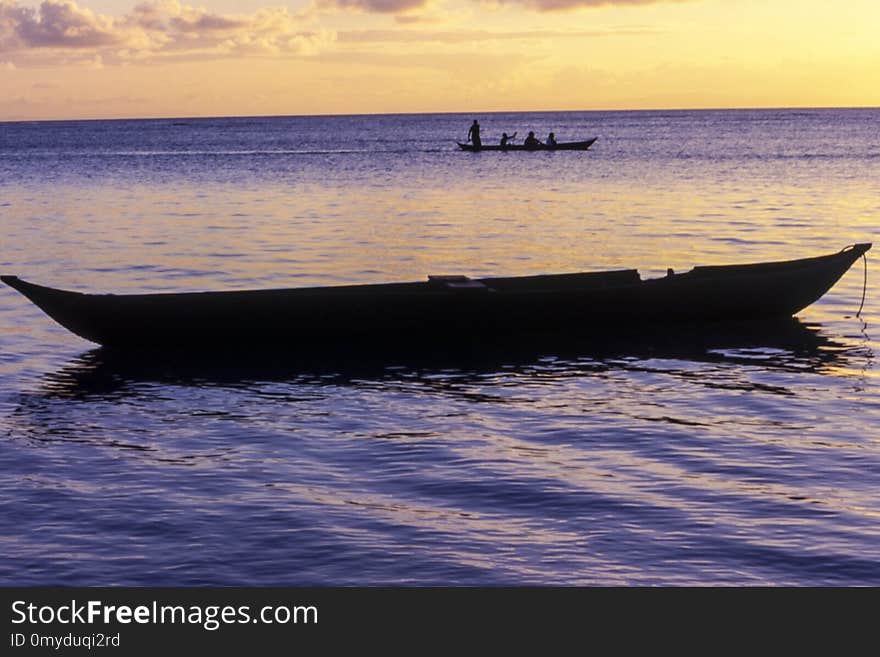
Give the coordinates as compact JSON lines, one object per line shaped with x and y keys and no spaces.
{"x":443,"y":308}
{"x":561,"y":146}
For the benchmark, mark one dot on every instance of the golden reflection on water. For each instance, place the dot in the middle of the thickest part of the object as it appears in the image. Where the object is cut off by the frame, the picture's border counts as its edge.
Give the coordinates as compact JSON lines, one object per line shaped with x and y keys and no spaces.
{"x":201,"y":238}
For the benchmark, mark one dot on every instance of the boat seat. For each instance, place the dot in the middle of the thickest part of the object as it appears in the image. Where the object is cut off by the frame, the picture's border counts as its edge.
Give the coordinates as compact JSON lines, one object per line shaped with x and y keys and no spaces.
{"x":456,"y":282}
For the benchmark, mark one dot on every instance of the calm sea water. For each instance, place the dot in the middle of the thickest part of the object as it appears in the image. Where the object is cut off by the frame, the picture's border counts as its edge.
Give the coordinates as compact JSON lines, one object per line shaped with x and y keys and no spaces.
{"x":723,"y":459}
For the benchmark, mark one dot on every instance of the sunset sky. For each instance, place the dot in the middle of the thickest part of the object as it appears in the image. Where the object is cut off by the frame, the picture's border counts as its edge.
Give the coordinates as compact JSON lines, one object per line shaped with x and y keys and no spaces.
{"x":153,"y":58}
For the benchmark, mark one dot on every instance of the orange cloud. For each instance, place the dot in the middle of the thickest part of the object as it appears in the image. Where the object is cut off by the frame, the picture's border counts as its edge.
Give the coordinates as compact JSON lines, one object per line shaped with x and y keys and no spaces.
{"x":401,"y":6}
{"x":473,"y":36}
{"x":151,"y":30}
{"x":375,"y":6}
{"x":561,"y":5}
{"x":57,"y":24}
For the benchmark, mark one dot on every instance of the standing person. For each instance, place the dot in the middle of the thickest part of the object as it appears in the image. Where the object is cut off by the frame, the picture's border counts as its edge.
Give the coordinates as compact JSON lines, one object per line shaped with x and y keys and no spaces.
{"x":474,"y":135}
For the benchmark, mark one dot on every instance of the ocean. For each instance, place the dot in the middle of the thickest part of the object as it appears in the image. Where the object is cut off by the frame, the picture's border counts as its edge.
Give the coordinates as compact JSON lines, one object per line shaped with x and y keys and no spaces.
{"x":744,"y":459}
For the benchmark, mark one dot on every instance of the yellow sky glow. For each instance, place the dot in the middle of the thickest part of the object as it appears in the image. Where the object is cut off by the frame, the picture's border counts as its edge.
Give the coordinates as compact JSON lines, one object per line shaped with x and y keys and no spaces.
{"x":132,"y":58}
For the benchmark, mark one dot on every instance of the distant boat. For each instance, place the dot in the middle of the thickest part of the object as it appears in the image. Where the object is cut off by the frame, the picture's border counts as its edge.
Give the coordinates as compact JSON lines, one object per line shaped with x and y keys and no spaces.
{"x":561,"y":146}
{"x":443,"y":309}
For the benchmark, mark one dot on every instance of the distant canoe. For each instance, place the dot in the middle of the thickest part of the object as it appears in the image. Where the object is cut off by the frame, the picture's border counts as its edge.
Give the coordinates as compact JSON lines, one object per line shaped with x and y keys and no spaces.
{"x":443,"y":309}
{"x":561,"y":146}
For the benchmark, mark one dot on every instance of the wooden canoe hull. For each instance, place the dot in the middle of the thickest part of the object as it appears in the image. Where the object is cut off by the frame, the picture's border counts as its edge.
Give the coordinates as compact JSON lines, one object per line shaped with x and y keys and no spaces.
{"x":562,"y":146}
{"x":424,"y":312}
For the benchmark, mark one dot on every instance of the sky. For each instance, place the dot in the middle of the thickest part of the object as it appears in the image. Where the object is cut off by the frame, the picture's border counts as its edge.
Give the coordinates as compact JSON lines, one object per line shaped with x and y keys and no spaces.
{"x":68,"y":59}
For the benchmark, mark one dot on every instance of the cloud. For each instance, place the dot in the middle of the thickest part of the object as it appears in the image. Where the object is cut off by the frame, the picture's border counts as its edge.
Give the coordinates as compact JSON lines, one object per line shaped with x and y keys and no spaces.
{"x":151,"y":30}
{"x":470,"y":36}
{"x":63,"y":32}
{"x":57,"y":24}
{"x":562,"y":5}
{"x":374,"y":6}
{"x":402,"y":6}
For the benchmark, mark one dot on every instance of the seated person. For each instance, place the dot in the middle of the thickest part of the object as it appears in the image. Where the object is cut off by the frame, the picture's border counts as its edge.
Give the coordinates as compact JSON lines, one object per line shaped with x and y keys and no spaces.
{"x":504,"y":139}
{"x":551,"y":140}
{"x":531,"y":141}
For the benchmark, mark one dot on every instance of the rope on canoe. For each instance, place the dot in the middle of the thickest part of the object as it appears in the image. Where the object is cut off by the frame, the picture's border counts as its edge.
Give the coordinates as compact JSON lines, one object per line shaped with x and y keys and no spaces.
{"x":864,"y":285}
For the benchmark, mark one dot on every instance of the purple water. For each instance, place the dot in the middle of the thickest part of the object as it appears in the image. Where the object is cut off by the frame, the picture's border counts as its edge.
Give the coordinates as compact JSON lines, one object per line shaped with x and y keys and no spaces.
{"x":742,"y":460}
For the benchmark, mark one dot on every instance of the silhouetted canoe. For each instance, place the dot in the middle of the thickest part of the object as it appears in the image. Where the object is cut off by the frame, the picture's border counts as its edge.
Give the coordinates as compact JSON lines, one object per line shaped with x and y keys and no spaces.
{"x":561,"y":146}
{"x":444,"y":308}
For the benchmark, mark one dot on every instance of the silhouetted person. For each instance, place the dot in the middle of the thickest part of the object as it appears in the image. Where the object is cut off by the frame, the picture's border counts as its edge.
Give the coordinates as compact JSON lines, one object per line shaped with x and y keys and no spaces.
{"x":474,"y":135}
{"x":551,"y":140}
{"x":531,"y":141}
{"x":507,"y":139}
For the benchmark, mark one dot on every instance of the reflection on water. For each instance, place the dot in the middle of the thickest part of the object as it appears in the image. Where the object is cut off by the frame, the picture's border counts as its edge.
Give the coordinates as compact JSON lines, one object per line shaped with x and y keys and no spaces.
{"x":783,"y":345}
{"x":684,"y":366}
{"x":578,"y":463}
{"x":742,"y":456}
